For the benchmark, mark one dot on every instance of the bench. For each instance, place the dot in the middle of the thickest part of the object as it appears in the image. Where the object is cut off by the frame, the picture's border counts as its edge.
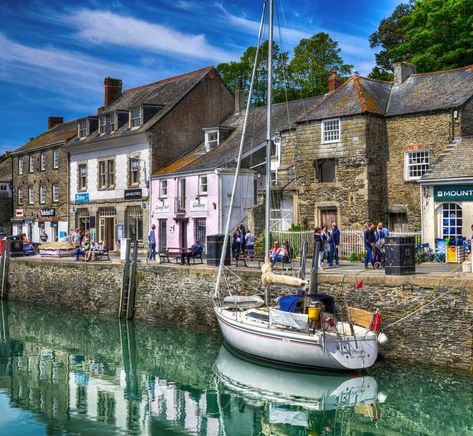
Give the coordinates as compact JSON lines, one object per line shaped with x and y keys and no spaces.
{"x":99,"y":255}
{"x":164,"y":256}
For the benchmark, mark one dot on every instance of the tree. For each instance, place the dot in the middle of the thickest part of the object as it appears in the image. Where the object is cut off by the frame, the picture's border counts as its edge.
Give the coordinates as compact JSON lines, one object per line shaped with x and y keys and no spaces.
{"x":438,"y":35}
{"x":390,"y":33}
{"x":314,"y":59}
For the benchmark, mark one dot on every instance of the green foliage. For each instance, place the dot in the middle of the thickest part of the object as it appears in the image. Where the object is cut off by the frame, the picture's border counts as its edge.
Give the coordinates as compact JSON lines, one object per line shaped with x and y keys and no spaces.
{"x":438,"y":35}
{"x":304,"y":75}
{"x":356,"y":257}
{"x":295,"y":228}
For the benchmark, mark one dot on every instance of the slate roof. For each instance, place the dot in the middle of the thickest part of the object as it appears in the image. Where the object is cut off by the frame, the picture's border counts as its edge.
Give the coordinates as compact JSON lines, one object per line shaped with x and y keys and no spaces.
{"x":419,"y":93}
{"x":166,"y":93}
{"x":284,"y":116}
{"x":59,"y":133}
{"x":456,"y":164}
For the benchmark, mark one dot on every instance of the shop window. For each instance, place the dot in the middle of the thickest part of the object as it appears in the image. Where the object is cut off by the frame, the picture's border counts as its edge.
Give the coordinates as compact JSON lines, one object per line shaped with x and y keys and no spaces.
{"x":162,"y":234}
{"x":134,"y":217}
{"x":325,"y":170}
{"x":200,"y":234}
{"x":83,"y":219}
{"x":452,"y":220}
{"x":202,"y":185}
{"x":330,"y":131}
{"x":416,"y":164}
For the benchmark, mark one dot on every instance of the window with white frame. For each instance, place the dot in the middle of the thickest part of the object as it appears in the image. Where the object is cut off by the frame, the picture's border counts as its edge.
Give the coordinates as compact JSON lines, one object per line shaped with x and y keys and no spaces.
{"x":55,"y":193}
{"x":452,"y":220}
{"x":163,"y":188}
{"x":134,"y":171}
{"x":20,"y":196}
{"x":211,"y":139}
{"x":31,"y":164}
{"x":42,"y":161}
{"x":55,"y":159}
{"x":135,"y":118}
{"x":416,"y":164}
{"x":30,"y":195}
{"x":105,"y":125}
{"x":82,"y":177}
{"x":42,"y":194}
{"x":82,"y":128}
{"x":202,"y":185}
{"x":106,"y":174}
{"x":331,"y":130}
{"x":20,"y":166}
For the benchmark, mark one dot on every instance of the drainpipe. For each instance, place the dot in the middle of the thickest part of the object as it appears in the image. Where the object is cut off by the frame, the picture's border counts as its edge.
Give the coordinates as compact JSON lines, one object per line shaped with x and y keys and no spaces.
{"x":67,"y":196}
{"x":220,"y":202}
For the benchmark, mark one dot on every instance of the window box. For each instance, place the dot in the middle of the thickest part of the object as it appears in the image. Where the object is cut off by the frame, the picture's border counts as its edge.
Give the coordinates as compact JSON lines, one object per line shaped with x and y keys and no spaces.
{"x":331,"y":131}
{"x":416,"y":164}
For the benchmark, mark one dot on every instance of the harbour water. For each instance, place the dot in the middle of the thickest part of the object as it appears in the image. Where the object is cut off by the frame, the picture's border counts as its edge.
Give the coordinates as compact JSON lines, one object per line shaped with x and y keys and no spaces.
{"x":65,"y":373}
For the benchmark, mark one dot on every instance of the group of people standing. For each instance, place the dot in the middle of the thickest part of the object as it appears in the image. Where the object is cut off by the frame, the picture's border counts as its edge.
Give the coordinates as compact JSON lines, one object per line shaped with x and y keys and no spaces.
{"x":329,"y":242}
{"x":243,"y":243}
{"x":374,"y":238}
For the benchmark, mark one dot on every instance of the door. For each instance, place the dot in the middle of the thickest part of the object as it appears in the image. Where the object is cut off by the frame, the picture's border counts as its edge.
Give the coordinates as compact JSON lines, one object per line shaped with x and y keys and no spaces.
{"x":183,"y":234}
{"x":398,"y":222}
{"x":107,"y":231}
{"x":162,"y":235}
{"x":328,"y":216}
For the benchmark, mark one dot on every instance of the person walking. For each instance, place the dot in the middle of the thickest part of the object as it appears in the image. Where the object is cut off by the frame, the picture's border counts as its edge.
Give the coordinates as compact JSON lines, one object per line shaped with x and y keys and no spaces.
{"x":369,"y":239}
{"x":335,"y":242}
{"x":318,"y":242}
{"x":236,"y":243}
{"x":250,"y":244}
{"x":325,"y":236}
{"x":152,"y":242}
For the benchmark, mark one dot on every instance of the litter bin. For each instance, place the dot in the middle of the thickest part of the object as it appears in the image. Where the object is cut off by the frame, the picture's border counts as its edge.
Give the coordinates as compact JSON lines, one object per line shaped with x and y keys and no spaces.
{"x":214,"y":250}
{"x":400,"y":255}
{"x":16,"y":246}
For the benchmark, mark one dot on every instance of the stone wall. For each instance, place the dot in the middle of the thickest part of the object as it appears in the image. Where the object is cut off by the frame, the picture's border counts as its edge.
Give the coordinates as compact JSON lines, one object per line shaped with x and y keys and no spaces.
{"x":168,"y":294}
{"x":6,"y":201}
{"x":466,"y":117}
{"x":410,"y":133}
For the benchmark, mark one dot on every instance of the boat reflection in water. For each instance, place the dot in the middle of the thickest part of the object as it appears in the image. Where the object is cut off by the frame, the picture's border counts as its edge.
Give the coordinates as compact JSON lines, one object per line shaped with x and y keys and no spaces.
{"x":295,"y":397}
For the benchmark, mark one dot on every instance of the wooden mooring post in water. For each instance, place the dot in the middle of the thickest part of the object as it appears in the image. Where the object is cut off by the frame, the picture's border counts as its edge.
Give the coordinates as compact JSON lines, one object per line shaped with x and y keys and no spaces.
{"x":128,"y":290}
{"x":4,"y":268}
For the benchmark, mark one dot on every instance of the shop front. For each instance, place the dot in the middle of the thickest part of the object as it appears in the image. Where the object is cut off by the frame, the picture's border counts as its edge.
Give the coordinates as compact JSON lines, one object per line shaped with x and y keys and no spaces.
{"x":447,"y":212}
{"x":44,"y":221}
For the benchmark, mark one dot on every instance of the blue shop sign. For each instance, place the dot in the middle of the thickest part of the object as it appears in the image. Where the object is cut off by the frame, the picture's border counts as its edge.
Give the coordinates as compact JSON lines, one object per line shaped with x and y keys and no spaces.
{"x":82,"y":198}
{"x":444,"y":193}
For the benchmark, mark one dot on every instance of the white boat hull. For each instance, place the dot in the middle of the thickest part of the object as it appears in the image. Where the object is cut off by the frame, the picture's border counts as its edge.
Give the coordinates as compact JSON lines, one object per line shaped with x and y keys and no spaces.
{"x":297,"y":348}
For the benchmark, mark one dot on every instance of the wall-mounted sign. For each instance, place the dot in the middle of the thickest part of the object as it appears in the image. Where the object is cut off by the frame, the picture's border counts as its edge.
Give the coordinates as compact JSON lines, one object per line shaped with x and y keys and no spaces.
{"x":133,"y":194}
{"x":46,"y":212}
{"x":19,"y":212}
{"x":198,"y":205}
{"x":162,"y":206}
{"x":82,"y":198}
{"x":453,"y":193}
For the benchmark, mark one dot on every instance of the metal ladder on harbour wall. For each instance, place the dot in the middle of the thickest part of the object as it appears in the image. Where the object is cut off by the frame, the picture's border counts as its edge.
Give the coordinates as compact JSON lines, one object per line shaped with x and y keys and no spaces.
{"x":128,"y":290}
{"x":4,"y":268}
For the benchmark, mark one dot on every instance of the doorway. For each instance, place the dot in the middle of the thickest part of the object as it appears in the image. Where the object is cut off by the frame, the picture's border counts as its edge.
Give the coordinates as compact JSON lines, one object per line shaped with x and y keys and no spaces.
{"x":398,"y":222}
{"x":183,"y":234}
{"x":107,"y":223}
{"x":328,"y":216}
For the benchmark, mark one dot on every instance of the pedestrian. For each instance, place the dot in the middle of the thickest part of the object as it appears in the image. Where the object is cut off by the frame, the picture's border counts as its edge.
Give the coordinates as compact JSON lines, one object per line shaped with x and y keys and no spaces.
{"x":152,"y":242}
{"x":325,"y":236}
{"x":318,"y":242}
{"x":335,"y":242}
{"x":243,"y":238}
{"x":250,"y":244}
{"x":236,"y":243}
{"x":381,"y":234}
{"x":43,"y":237}
{"x":369,"y":239}
{"x":76,"y":239}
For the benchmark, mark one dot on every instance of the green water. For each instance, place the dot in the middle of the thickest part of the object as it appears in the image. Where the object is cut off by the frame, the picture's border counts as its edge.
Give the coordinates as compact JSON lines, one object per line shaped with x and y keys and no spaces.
{"x":63,"y":373}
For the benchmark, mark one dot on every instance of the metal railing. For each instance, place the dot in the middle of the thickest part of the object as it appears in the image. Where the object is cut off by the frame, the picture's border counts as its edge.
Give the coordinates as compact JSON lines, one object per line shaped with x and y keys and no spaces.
{"x":351,"y":241}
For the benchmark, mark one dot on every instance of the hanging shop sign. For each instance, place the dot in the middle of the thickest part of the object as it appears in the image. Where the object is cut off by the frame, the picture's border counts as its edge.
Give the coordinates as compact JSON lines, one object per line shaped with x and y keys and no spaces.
{"x":453,"y":193}
{"x":82,"y":198}
{"x":19,"y":212}
{"x":133,"y":194}
{"x":162,"y":206}
{"x":47,"y":212}
{"x":198,"y":205}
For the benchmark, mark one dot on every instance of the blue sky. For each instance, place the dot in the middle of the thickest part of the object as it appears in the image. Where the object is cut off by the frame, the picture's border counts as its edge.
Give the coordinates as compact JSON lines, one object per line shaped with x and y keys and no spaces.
{"x":54,"y":54}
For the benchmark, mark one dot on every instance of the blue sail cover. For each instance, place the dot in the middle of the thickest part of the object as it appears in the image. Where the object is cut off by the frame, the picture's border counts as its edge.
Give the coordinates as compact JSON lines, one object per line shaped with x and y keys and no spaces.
{"x":288,"y":303}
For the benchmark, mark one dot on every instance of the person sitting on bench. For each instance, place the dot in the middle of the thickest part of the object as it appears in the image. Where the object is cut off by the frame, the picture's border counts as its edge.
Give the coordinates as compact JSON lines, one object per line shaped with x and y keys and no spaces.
{"x":276,"y":254}
{"x":194,"y":251}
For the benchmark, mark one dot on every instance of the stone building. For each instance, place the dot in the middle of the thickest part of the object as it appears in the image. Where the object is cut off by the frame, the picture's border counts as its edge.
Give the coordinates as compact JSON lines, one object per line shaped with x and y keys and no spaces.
{"x":137,"y":131}
{"x":40,"y":182}
{"x":6,"y":198}
{"x":362,"y":149}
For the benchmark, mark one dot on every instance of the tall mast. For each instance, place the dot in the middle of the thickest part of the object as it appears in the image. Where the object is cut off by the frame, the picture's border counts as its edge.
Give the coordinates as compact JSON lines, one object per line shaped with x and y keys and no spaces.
{"x":268,"y":132}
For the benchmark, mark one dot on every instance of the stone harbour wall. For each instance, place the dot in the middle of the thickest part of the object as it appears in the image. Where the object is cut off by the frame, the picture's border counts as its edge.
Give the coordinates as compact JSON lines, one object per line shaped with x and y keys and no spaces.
{"x":439,"y":334}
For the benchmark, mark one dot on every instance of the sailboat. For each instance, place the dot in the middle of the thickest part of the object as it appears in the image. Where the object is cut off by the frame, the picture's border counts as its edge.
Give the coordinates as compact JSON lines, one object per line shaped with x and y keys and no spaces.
{"x":310,"y":333}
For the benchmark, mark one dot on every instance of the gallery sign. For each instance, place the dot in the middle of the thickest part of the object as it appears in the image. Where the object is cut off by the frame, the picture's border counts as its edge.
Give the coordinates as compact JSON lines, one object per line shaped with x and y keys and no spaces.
{"x":47,"y":212}
{"x":133,"y":194}
{"x":82,"y":198}
{"x":19,"y":212}
{"x":162,"y":206}
{"x":453,"y":193}
{"x":198,"y":205}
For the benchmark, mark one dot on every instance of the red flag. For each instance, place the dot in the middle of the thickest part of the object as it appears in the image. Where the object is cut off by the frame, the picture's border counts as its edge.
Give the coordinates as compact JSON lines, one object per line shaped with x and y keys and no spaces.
{"x":360,"y":284}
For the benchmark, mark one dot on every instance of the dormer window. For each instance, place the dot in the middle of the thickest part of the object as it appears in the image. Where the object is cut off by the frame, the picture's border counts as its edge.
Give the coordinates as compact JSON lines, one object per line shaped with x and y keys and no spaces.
{"x":212,"y":138}
{"x":82,"y":129}
{"x":107,"y":124}
{"x":135,"y":118}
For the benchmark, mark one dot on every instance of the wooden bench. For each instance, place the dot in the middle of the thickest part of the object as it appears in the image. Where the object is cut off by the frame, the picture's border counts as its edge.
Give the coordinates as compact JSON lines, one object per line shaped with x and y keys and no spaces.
{"x":100,"y":254}
{"x":164,"y":256}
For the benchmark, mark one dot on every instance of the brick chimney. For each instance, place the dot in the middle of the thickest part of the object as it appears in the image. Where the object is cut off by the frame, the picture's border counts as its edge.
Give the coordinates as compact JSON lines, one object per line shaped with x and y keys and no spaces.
{"x":239,"y":97}
{"x":54,"y":121}
{"x":402,"y":71}
{"x":112,"y":90}
{"x":333,"y":81}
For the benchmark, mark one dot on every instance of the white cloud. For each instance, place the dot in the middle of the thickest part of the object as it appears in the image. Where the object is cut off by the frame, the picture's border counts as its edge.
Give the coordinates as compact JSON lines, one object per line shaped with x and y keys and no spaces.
{"x":104,"y":27}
